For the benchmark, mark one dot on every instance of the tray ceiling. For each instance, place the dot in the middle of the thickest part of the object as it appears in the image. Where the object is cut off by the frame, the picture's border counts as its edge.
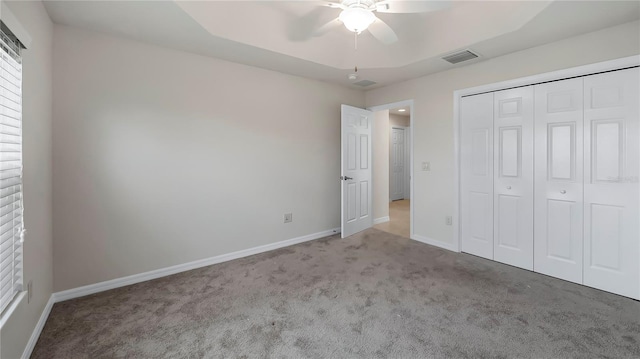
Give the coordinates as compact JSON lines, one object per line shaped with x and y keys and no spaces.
{"x":277,"y":35}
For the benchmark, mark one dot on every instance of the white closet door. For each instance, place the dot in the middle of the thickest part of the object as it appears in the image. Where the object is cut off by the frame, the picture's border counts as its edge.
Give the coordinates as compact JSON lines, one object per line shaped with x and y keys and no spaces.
{"x":611,"y":235}
{"x":476,"y":175}
{"x":513,"y":177}
{"x":558,"y":179}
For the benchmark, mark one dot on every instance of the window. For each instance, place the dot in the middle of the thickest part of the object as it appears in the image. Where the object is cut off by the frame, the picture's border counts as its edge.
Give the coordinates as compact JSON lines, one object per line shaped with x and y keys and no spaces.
{"x":11,"y":223}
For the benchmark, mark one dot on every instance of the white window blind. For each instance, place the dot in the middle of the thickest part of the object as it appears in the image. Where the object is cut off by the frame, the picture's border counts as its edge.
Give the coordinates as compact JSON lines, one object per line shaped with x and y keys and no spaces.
{"x":11,"y":223}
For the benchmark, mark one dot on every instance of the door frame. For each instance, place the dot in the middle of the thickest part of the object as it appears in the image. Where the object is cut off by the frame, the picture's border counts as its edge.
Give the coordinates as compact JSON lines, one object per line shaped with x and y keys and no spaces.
{"x":406,"y":175}
{"x":390,"y":106}
{"x":599,"y":67}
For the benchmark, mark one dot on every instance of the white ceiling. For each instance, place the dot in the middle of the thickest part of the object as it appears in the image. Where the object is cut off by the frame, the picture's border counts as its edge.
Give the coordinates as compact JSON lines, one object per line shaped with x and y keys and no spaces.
{"x":276,"y":35}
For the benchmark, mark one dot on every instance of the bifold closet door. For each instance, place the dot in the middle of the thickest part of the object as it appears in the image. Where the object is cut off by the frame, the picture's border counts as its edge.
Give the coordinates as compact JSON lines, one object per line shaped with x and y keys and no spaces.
{"x":513,"y":177}
{"x":558,"y":218}
{"x":611,"y":195}
{"x":476,"y":174}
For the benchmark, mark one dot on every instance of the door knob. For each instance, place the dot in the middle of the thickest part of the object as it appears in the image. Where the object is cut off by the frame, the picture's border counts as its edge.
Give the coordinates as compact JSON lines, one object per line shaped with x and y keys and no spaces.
{"x":563,"y":191}
{"x":345,"y":178}
{"x":508,"y":187}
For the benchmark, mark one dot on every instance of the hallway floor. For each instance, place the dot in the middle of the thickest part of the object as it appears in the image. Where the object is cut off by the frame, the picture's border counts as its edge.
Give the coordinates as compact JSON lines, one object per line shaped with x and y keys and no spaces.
{"x":399,"y":223}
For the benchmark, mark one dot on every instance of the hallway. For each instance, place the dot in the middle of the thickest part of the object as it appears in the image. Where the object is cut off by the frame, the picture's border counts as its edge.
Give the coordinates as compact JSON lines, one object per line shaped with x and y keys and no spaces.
{"x":399,"y":223}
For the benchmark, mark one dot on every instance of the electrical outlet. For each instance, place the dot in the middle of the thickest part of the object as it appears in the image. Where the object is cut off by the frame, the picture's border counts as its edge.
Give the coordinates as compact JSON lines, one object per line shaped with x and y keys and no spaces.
{"x":29,"y":291}
{"x":426,"y":166}
{"x":288,"y":217}
{"x":449,"y":220}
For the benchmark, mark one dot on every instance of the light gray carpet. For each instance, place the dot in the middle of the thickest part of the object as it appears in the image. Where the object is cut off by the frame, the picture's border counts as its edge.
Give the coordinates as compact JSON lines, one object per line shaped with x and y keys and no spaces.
{"x":373,"y":295}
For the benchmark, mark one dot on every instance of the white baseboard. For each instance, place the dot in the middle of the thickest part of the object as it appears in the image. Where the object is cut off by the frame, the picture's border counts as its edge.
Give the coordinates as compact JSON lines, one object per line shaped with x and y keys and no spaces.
{"x":433,"y":242}
{"x":38,"y":329}
{"x":163,"y":272}
{"x":381,"y":220}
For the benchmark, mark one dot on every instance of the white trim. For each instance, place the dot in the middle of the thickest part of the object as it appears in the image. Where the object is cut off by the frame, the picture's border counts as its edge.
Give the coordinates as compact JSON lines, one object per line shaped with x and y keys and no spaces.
{"x":455,"y":220}
{"x":158,"y":273}
{"x":407,"y":171}
{"x":585,"y":70}
{"x":38,"y":329}
{"x":410,"y":104}
{"x":381,"y":220}
{"x":14,"y":25}
{"x":391,"y":106}
{"x":554,"y":75}
{"x":433,"y":242}
{"x":411,"y":173}
{"x":8,"y":311}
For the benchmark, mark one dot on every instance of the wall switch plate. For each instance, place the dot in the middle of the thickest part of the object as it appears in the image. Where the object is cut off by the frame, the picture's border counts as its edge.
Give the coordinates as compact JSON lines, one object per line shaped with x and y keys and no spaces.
{"x":288,"y":217}
{"x":449,"y":220}
{"x":426,"y":166}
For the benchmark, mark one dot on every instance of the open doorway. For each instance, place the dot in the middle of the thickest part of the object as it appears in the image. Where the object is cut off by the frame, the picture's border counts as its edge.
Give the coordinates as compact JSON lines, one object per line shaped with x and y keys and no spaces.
{"x":392,"y":168}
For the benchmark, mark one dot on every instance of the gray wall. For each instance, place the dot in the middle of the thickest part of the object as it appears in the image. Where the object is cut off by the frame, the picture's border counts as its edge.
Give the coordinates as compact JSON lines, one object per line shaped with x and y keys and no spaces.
{"x":36,"y":132}
{"x":433,"y":111}
{"x":163,"y":157}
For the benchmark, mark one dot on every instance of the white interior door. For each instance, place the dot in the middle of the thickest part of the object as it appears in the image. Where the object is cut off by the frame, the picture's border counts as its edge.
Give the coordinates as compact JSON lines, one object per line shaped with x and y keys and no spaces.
{"x":356,"y":170}
{"x":611,"y":195}
{"x":476,"y":174}
{"x":559,"y":179}
{"x":513,"y":177}
{"x":397,"y":156}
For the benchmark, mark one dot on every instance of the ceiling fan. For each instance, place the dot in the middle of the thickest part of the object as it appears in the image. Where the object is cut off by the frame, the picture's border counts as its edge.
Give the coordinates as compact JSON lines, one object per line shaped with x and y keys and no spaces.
{"x":358,"y":15}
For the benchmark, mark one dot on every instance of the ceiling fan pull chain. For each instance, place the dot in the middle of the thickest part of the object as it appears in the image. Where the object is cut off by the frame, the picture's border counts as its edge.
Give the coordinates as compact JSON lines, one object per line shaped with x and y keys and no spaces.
{"x":356,"y":40}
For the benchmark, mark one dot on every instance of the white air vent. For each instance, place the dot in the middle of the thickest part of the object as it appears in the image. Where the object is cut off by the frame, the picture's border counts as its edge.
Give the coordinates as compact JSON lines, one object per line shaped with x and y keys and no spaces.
{"x":365,"y":83}
{"x":460,"y":56}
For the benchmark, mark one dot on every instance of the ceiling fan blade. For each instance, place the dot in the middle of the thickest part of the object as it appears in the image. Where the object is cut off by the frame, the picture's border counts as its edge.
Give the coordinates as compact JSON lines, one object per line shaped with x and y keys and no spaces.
{"x":327,"y":27}
{"x":383,"y":32}
{"x":414,"y":6}
{"x":335,"y":5}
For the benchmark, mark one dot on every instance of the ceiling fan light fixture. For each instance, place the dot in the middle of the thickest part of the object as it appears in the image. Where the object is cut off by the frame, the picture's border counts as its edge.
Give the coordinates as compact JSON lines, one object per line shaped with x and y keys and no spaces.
{"x":357,"y":19}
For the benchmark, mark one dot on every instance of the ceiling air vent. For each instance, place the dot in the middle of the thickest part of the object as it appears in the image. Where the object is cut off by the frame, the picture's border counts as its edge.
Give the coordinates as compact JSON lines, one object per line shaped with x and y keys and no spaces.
{"x":365,"y":83}
{"x":460,"y":56}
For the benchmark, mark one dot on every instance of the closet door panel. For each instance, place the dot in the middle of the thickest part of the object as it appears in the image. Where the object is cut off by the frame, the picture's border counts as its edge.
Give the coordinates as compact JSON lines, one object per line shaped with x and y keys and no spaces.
{"x":558,"y":202}
{"x":513,"y":177}
{"x":611,"y":193}
{"x":476,"y":114}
